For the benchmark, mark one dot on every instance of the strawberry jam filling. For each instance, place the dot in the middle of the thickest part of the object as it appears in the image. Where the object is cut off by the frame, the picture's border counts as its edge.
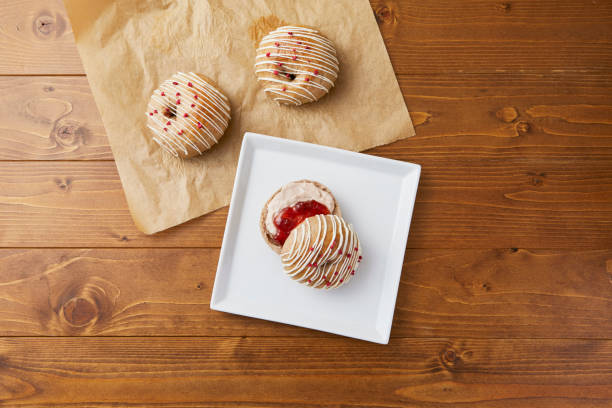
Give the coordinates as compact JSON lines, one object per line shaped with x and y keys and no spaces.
{"x":289,"y":218}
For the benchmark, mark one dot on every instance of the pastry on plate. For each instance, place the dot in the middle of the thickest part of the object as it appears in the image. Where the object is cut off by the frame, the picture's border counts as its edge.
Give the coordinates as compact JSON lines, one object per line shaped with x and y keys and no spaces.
{"x":187,"y":115}
{"x":296,"y":65}
{"x":323,"y":252}
{"x":303,"y":223}
{"x":292,"y":204}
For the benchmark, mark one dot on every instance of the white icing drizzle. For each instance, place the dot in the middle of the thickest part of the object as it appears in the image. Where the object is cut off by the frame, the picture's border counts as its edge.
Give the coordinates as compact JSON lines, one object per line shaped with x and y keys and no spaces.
{"x":198,"y":99}
{"x":304,"y":53}
{"x":310,"y":261}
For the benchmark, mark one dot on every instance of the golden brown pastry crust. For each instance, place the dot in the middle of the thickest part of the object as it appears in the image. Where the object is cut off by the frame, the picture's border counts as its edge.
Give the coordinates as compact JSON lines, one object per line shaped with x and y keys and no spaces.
{"x":187,"y":115}
{"x":296,"y":65}
{"x":276,"y":247}
{"x":323,"y":252}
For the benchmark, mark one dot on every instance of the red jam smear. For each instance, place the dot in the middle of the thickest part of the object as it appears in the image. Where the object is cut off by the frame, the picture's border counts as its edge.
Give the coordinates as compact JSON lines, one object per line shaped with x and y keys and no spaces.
{"x":289,"y":218}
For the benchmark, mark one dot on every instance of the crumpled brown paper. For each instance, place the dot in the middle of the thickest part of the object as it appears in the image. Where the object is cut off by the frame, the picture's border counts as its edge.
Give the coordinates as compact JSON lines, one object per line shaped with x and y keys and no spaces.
{"x":129,"y":46}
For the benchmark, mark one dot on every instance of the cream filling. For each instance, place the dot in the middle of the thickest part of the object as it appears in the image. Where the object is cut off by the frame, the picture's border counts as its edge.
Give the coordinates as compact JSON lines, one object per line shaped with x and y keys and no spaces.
{"x":292,"y":194}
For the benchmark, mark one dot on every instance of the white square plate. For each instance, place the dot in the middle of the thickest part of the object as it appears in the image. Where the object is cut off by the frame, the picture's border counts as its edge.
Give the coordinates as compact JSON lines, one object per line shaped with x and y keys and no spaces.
{"x":376,"y":195}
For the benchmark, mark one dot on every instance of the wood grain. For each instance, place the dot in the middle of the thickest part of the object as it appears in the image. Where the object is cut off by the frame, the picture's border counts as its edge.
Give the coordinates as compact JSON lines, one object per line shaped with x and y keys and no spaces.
{"x":483,"y":36}
{"x":422,"y":37}
{"x":55,"y":118}
{"x":249,"y":372}
{"x":513,"y":106}
{"x":465,"y":200}
{"x":445,"y":293}
{"x":50,"y":118}
{"x":36,"y":38}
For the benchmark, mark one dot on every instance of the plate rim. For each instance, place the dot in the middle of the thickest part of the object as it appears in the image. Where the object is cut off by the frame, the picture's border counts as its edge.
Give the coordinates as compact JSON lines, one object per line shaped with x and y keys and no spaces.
{"x":248,"y":144}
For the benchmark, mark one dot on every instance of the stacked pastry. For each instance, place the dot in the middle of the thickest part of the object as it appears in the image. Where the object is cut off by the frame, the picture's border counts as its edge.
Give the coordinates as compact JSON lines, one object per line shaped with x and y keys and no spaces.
{"x":303,"y":223}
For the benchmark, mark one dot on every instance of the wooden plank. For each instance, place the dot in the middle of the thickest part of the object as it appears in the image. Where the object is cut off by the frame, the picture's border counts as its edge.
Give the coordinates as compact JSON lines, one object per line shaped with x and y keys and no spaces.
{"x":36,"y":38}
{"x":468,"y":198}
{"x":422,"y":37}
{"x":50,"y":118}
{"x":289,"y":372}
{"x":445,"y":293}
{"x":484,"y":36}
{"x":57,"y":117}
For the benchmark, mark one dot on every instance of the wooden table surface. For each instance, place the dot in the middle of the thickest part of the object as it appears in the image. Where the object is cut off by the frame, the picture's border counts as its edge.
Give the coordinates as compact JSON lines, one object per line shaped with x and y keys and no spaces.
{"x":506,"y":292}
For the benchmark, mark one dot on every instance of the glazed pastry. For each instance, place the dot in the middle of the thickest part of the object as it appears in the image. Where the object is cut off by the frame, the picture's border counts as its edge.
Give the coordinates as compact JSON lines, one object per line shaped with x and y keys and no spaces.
{"x":322,"y":252}
{"x":296,"y":65}
{"x":292,"y":204}
{"x":187,"y":115}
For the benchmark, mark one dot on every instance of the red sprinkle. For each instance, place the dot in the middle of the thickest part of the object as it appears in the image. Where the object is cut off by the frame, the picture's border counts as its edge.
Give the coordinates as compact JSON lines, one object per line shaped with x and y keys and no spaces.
{"x":348,"y":255}
{"x":360,"y":257}
{"x":294,"y":57}
{"x":341,"y":280}
{"x":185,"y":115}
{"x":195,"y":96}
{"x":284,"y":88}
{"x":335,"y":273}
{"x":299,"y":43}
{"x":277,"y":44}
{"x":340,"y":251}
{"x":309,"y":281}
{"x":316,"y":72}
{"x":312,"y":248}
{"x":175,"y":83}
{"x":178,"y":94}
{"x":307,"y":47}
{"x":280,"y":64}
{"x":290,"y":33}
{"x":165,"y":129}
{"x":294,"y":50}
{"x":328,"y":283}
{"x":168,"y":123}
{"x":352,"y":273}
{"x":189,"y":84}
{"x":267,"y":54}
{"x":155,"y":111}
{"x":275,"y":72}
{"x":315,"y":265}
{"x":199,"y":125}
{"x":288,"y":76}
{"x":181,"y":132}
{"x":178,"y":101}
{"x":193,"y":105}
{"x":163,"y":93}
{"x":308,"y":79}
{"x":356,"y":249}
{"x":151,"y":114}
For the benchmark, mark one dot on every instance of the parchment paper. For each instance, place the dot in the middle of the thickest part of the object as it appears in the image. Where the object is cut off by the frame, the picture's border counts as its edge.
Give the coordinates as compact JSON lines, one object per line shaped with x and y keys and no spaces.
{"x":129,"y":46}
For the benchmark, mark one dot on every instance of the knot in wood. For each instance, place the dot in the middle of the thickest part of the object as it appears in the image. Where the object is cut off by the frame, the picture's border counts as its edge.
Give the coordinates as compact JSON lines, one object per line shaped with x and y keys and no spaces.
{"x":46,"y":26}
{"x":504,"y":7}
{"x":450,"y":355}
{"x":507,"y":114}
{"x":63,"y":184}
{"x":68,"y":134}
{"x":522,"y":127}
{"x":451,"y":358}
{"x":385,"y":15}
{"x":79,"y":312}
{"x":85,"y":305}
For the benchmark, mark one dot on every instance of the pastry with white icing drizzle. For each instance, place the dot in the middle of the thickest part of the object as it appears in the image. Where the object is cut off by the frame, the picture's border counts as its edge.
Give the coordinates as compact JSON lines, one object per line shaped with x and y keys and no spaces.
{"x":323,"y":252}
{"x":187,"y":115}
{"x":296,"y":65}
{"x":303,"y":223}
{"x":290,"y":205}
